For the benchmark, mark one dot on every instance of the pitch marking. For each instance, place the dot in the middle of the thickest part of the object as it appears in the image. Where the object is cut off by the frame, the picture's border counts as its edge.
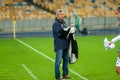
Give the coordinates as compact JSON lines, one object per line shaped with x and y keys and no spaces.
{"x":29,"y":72}
{"x":77,"y":74}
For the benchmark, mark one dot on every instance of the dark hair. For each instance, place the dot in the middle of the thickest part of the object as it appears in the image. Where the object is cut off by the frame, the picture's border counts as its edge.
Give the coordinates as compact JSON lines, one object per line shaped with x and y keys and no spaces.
{"x":118,"y":9}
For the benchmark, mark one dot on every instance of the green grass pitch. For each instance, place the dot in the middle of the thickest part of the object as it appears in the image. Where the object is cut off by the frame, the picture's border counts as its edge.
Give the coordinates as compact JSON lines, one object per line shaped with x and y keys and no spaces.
{"x":94,"y":63}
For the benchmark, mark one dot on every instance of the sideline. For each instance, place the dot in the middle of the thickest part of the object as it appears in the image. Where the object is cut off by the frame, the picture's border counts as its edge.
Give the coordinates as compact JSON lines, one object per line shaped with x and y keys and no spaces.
{"x":77,"y":74}
{"x":29,"y":72}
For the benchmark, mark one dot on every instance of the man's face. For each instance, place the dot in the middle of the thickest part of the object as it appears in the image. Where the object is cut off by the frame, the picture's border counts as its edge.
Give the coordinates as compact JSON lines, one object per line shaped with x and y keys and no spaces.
{"x":60,"y":15}
{"x":118,"y":14}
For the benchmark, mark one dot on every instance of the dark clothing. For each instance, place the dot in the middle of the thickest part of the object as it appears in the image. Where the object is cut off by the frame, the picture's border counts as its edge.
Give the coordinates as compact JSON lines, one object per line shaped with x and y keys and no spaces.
{"x":59,"y":41}
{"x":84,"y":31}
{"x":93,"y":1}
{"x":73,"y":49}
{"x":72,"y":1}
{"x":61,"y":36}
{"x":60,"y":47}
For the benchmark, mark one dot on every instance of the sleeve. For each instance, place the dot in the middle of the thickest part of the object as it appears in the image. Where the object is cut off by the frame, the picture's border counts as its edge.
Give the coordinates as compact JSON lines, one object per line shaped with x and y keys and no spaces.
{"x":56,"y":30}
{"x":117,"y":38}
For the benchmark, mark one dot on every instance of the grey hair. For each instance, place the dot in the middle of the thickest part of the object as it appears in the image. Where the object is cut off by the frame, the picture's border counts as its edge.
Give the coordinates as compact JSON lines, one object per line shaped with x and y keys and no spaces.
{"x":59,"y":10}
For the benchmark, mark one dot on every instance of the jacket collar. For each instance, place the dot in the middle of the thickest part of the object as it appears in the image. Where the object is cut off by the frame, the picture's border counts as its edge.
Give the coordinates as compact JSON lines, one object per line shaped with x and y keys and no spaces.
{"x":59,"y":20}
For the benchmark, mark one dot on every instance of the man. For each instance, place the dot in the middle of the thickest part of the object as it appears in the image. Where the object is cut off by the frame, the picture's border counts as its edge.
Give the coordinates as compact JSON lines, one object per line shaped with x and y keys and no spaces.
{"x":60,"y":45}
{"x":116,"y":39}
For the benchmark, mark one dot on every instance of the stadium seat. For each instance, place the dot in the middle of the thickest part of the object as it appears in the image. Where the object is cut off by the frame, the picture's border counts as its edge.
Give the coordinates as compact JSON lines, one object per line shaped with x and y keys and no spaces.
{"x":84,"y":8}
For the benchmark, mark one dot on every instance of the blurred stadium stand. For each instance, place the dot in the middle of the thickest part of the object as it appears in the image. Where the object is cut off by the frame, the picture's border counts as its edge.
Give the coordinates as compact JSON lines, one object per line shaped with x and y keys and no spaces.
{"x":38,"y":15}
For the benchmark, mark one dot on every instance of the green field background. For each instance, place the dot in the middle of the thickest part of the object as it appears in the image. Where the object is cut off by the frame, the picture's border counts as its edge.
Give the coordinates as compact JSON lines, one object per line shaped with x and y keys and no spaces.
{"x":94,"y":62}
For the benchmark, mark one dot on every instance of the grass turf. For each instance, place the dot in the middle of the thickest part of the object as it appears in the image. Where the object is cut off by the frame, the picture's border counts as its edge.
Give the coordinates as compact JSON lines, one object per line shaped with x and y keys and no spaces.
{"x":94,"y":63}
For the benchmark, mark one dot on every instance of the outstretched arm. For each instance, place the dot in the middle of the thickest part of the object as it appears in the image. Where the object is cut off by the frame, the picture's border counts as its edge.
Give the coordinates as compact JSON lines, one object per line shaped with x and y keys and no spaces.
{"x":117,"y":38}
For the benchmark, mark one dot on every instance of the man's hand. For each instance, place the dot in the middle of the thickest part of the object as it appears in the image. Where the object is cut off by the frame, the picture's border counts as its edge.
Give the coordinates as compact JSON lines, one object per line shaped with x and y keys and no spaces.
{"x":72,"y":30}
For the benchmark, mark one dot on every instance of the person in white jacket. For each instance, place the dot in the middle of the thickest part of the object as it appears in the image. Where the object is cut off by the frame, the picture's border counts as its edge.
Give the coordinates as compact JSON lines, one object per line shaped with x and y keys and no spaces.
{"x":117,"y":38}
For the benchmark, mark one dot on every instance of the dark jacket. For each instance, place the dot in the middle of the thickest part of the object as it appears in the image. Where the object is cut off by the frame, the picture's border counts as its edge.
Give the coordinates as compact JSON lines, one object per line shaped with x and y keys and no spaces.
{"x":60,"y":42}
{"x":63,"y":39}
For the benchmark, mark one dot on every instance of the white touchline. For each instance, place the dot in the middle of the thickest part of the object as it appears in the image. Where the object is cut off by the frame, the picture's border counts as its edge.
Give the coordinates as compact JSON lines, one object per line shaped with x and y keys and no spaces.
{"x":77,"y":74}
{"x":29,"y":72}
